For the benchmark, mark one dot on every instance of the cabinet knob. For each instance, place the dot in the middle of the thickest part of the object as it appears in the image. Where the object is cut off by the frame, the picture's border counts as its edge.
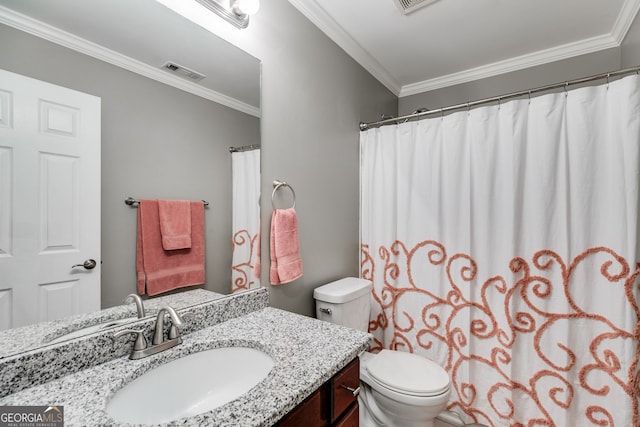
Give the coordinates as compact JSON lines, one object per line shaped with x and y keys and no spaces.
{"x":354,"y":391}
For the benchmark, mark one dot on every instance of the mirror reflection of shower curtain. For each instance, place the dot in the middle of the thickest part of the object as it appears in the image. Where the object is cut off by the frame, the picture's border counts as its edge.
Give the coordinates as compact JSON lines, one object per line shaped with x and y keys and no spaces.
{"x":245,"y":265}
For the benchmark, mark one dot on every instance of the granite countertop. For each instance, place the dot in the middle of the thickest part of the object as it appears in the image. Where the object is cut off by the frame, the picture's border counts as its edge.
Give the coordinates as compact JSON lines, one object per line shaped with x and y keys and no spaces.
{"x":13,"y":341}
{"x":307,"y":352}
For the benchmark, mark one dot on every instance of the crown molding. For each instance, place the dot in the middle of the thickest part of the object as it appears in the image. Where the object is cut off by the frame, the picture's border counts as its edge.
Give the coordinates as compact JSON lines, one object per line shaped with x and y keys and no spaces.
{"x":625,"y":19}
{"x":620,"y":28}
{"x":513,"y":64}
{"x":321,"y":19}
{"x":314,"y":12}
{"x":71,"y":41}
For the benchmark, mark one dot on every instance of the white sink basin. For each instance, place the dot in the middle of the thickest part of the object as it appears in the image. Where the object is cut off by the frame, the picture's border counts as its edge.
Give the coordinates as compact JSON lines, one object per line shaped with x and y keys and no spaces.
{"x":191,"y":385}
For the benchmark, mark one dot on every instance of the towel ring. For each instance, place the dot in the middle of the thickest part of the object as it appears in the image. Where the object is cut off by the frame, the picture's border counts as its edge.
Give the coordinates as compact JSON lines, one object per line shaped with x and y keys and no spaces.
{"x":276,"y":186}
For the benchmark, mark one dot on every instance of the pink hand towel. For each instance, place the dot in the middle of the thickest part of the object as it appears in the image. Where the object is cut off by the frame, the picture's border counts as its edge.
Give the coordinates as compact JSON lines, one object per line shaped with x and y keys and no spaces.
{"x":160,"y":270}
{"x":175,"y":224}
{"x":286,"y":263}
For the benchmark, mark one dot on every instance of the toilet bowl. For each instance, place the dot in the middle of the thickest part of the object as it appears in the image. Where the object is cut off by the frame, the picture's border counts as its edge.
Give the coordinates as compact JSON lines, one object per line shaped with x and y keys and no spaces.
{"x":401,"y":389}
{"x":397,"y":389}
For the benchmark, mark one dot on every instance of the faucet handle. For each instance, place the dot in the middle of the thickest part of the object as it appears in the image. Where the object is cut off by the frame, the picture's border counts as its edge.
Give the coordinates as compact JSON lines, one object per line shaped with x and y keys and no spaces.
{"x":141,"y":341}
{"x":174,"y":332}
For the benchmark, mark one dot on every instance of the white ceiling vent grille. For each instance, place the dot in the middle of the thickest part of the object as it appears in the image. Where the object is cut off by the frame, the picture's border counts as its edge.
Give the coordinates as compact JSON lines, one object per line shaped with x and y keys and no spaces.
{"x":408,"y":6}
{"x":184,"y":72}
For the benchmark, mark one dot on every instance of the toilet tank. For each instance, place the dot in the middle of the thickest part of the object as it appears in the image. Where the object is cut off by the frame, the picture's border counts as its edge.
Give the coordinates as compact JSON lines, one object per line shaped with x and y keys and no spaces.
{"x":346,"y":302}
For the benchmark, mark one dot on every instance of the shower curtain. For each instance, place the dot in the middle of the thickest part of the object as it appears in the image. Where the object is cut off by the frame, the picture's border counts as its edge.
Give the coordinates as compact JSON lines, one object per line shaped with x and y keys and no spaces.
{"x":245,"y":268}
{"x":502,"y":242}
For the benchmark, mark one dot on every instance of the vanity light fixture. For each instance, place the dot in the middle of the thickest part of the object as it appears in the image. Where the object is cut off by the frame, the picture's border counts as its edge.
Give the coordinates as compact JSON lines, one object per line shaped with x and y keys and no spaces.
{"x":245,"y":7}
{"x":235,"y":12}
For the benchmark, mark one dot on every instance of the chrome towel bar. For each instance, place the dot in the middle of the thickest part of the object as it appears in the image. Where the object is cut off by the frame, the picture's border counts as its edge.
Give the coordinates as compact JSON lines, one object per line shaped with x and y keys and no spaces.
{"x":135,"y":202}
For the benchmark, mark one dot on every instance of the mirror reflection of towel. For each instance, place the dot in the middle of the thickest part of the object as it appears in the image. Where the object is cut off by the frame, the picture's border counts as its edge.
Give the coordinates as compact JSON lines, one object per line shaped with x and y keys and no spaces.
{"x":160,"y":270}
{"x":175,"y":224}
{"x":286,"y":263}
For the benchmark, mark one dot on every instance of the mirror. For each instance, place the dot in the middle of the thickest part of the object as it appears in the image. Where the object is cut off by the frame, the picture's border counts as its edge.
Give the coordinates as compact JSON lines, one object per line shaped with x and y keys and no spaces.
{"x":163,"y":135}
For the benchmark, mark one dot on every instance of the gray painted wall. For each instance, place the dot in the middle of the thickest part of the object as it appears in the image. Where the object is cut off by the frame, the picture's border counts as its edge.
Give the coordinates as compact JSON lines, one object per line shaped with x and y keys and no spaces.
{"x":529,"y":78}
{"x":157,"y":142}
{"x":313,"y":97}
{"x":630,"y":56}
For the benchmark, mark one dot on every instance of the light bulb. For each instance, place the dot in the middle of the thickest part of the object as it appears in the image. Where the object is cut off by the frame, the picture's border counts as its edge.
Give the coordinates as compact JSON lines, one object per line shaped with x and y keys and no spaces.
{"x":245,"y":7}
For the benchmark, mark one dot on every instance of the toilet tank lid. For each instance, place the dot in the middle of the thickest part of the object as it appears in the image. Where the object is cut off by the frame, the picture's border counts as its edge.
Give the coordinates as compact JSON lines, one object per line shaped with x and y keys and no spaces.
{"x":342,"y":290}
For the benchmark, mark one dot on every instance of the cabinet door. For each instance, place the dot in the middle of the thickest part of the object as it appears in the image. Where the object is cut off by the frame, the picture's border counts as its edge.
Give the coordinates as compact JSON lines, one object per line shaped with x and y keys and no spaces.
{"x":313,"y":412}
{"x":335,"y":403}
{"x":351,"y":418}
{"x":345,"y":387}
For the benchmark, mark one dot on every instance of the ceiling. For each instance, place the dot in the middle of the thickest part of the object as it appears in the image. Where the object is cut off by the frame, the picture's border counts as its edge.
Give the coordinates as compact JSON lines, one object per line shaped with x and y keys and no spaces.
{"x":444,"y":43}
{"x":141,"y":36}
{"x":448,"y":42}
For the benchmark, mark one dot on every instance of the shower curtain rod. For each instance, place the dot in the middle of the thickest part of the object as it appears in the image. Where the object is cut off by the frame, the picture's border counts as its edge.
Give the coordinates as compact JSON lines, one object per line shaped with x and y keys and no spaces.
{"x":245,"y":148}
{"x":420,"y":113}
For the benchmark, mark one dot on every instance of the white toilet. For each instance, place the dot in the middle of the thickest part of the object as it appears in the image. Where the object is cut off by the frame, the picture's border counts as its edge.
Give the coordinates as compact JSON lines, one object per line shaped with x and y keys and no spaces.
{"x":397,"y":389}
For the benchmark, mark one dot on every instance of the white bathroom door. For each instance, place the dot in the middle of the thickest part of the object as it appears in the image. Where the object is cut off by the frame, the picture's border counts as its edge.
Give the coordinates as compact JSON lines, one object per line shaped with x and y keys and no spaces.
{"x":49,"y":201}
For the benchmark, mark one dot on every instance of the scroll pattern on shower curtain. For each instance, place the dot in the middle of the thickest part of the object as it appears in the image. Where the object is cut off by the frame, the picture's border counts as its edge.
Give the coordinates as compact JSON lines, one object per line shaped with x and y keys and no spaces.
{"x":245,"y":268}
{"x":503,"y":244}
{"x":589,"y":366}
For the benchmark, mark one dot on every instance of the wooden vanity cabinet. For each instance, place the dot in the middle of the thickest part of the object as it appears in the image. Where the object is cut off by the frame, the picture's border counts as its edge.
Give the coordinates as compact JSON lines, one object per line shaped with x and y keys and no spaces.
{"x":333,"y":404}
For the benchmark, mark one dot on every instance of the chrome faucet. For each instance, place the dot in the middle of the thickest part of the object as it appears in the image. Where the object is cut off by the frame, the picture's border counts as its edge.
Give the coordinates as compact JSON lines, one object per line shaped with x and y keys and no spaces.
{"x":141,"y":349}
{"x":139,"y":305}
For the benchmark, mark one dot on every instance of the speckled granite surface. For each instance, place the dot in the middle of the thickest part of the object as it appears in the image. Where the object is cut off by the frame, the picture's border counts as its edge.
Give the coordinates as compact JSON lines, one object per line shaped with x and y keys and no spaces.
{"x":17,"y":340}
{"x":307,"y":352}
{"x":54,"y":361}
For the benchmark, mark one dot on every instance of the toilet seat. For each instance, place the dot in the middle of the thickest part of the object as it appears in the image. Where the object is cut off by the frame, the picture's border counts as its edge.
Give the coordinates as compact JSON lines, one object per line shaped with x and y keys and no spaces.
{"x":408,"y":374}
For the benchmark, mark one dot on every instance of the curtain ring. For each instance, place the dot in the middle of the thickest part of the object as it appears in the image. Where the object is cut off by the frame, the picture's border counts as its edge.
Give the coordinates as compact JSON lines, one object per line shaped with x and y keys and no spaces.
{"x":566,"y":91}
{"x":529,"y":97}
{"x":608,"y":75}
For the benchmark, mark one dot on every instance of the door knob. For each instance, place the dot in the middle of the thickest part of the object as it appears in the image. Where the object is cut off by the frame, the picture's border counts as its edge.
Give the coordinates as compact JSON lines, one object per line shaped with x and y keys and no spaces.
{"x":88,"y":264}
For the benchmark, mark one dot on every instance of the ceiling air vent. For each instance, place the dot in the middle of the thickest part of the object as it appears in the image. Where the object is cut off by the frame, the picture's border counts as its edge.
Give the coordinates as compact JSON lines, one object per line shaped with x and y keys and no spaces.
{"x":408,"y":6}
{"x":184,"y":72}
